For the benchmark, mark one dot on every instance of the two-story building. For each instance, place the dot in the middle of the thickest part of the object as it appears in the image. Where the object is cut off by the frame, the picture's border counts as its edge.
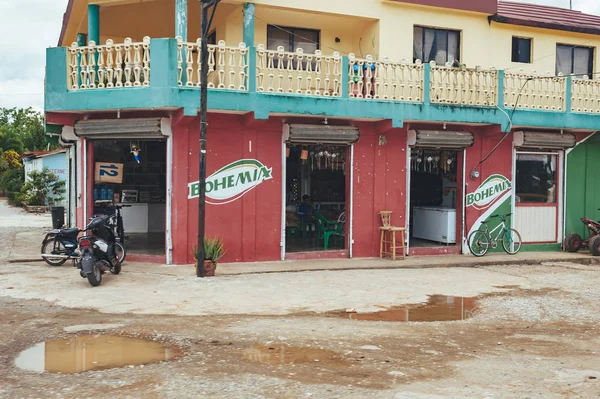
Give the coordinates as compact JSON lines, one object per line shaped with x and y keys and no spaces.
{"x":443,"y":112}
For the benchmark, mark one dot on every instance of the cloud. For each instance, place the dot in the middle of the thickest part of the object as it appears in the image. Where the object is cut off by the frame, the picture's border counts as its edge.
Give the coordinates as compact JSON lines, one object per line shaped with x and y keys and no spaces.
{"x":28,"y":27}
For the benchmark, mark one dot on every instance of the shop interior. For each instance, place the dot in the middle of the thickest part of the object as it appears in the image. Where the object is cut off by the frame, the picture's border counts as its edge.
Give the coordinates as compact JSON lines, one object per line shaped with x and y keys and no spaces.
{"x":141,"y":188}
{"x":433,"y":200}
{"x":315,"y":197}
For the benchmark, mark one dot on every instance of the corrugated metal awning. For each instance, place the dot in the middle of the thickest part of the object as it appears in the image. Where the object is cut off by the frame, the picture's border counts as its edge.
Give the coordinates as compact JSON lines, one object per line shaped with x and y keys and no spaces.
{"x":544,"y":141}
{"x":443,"y":139}
{"x":320,"y":134}
{"x":127,"y":129}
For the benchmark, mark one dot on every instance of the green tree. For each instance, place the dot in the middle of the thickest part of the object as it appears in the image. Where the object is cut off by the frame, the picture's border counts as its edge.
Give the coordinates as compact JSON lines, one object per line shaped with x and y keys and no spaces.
{"x":24,"y":126}
{"x":11,"y":183}
{"x":43,"y":188}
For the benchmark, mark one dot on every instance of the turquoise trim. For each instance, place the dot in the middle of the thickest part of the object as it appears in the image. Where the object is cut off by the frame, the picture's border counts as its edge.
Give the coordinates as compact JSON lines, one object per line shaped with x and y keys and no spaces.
{"x":345,"y":76}
{"x":181,"y":19}
{"x":249,"y":24}
{"x":569,"y":94}
{"x":252,"y":70}
{"x":165,"y":92}
{"x":427,"y":83}
{"x":94,"y":23}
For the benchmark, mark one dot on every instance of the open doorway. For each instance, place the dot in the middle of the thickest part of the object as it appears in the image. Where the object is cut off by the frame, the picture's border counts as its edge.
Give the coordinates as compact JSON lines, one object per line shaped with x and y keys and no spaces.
{"x":316,"y":184}
{"x":132,"y":176}
{"x":434,"y":204}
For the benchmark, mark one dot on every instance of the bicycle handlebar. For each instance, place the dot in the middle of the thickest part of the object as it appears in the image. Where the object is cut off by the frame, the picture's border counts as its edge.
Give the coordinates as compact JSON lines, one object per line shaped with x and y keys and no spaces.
{"x":501,"y":216}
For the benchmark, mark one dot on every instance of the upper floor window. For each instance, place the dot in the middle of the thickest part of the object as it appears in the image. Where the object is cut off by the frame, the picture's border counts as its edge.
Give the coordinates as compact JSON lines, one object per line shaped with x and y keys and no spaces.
{"x":212,"y":37}
{"x":437,"y":45}
{"x":292,"y":39}
{"x":521,"y":50}
{"x":574,"y":60}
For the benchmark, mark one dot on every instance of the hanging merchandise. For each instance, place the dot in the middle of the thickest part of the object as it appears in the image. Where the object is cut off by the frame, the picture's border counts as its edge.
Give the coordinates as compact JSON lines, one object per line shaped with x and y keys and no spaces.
{"x":287,"y":152}
{"x":135,"y":150}
{"x":304,"y":155}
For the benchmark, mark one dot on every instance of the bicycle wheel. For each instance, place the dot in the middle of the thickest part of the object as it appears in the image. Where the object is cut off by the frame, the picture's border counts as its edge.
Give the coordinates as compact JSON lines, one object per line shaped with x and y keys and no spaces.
{"x":479,"y":242}
{"x":511,"y":241}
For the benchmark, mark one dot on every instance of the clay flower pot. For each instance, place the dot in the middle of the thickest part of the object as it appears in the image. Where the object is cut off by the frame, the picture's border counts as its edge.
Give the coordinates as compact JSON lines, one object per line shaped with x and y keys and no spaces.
{"x":209,"y":268}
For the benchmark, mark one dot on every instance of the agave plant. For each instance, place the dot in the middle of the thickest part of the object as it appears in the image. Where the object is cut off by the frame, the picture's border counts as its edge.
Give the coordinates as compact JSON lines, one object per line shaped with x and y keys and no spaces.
{"x":214,"y":249}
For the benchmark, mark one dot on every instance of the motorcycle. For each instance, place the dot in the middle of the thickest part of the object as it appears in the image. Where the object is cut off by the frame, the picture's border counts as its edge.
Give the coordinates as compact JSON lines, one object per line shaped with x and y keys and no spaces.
{"x":60,"y":245}
{"x":115,"y":223}
{"x":97,"y":252}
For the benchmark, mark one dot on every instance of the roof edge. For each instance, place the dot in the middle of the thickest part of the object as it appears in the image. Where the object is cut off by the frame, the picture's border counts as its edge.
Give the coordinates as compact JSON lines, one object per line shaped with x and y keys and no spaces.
{"x":66,"y":17}
{"x":544,"y":25}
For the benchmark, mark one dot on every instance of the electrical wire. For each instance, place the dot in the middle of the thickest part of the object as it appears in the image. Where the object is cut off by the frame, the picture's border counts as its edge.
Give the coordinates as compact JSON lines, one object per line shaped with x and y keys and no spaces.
{"x":510,"y":126}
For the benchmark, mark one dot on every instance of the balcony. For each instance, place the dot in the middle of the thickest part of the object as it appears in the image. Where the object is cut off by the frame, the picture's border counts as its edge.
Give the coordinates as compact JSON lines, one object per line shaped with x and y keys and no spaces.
{"x":164,"y":73}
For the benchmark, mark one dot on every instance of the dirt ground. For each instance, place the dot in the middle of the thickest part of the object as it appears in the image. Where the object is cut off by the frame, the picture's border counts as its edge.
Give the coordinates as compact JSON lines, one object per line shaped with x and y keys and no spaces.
{"x":534,"y":333}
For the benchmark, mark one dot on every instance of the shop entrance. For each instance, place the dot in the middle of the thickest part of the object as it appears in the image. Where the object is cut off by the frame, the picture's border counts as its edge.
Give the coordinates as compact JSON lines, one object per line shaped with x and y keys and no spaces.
{"x":133,"y":174}
{"x":435,"y":190}
{"x":315,"y":197}
{"x":433,"y":197}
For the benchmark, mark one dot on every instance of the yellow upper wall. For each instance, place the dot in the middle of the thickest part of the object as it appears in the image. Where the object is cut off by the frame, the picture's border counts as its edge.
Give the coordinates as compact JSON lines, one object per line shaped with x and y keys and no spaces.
{"x":377,"y":27}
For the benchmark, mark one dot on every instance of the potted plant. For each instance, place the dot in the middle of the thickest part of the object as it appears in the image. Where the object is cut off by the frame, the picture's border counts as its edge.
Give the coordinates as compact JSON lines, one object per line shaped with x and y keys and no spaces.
{"x":213,"y":252}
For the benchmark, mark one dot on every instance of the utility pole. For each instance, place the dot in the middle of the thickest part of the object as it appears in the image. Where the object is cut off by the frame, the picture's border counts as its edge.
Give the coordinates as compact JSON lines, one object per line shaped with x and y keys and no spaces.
{"x":205,"y":23}
{"x":571,"y":4}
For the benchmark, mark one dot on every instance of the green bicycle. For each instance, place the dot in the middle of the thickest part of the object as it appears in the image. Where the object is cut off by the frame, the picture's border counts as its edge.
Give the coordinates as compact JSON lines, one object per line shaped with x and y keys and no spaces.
{"x":480,"y":241}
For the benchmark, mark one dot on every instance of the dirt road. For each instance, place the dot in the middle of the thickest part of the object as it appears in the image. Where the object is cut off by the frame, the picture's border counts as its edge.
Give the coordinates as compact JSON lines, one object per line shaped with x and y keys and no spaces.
{"x":533,"y":334}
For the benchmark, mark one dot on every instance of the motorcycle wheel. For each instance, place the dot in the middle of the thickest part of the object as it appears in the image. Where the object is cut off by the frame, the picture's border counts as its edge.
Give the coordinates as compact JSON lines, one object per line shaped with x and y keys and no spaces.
{"x":95,"y":278}
{"x":48,"y":248}
{"x":121,"y":253}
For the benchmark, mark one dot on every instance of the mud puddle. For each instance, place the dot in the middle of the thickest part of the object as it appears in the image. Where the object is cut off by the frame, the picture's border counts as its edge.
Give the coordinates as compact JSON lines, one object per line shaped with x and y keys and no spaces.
{"x":437,"y":308}
{"x":93,"y":352}
{"x":277,"y":355}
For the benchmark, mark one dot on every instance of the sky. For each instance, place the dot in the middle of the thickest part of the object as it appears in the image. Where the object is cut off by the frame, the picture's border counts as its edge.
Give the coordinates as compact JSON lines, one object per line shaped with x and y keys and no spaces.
{"x":28,"y":27}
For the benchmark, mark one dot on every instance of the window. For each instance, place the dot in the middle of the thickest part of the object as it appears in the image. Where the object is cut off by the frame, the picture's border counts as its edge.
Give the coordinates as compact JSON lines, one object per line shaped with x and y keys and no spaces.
{"x":436,"y":45}
{"x":212,"y":37}
{"x":521,"y":50}
{"x":536,"y":178}
{"x":574,"y":60}
{"x":293,"y":38}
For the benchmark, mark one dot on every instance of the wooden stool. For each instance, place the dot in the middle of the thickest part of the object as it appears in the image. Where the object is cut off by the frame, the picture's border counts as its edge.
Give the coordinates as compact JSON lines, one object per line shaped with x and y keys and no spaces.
{"x":387,"y":242}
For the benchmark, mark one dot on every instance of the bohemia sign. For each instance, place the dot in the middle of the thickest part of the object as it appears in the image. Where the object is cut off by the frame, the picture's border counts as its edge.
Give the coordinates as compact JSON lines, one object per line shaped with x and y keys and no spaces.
{"x":488,"y":192}
{"x":232,"y":181}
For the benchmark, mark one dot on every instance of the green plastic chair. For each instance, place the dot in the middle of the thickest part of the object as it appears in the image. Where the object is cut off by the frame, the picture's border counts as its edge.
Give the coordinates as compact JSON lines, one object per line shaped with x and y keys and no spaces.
{"x":326,"y":228}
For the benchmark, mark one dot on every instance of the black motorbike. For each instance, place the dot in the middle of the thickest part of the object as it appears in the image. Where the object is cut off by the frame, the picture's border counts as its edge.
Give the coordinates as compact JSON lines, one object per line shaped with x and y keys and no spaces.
{"x":97,"y":252}
{"x":60,"y":245}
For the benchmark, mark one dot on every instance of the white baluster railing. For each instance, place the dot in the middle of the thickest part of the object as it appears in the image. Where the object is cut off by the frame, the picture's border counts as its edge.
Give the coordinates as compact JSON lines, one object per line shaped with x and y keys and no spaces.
{"x":109,"y":66}
{"x":278,"y":71}
{"x":464,"y":86}
{"x":227,"y":66}
{"x":384,"y":80}
{"x":541,"y":92}
{"x":585,"y":96}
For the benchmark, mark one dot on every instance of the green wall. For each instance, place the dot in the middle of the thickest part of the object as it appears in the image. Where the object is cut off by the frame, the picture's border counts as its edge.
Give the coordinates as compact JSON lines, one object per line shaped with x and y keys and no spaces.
{"x":583,"y":185}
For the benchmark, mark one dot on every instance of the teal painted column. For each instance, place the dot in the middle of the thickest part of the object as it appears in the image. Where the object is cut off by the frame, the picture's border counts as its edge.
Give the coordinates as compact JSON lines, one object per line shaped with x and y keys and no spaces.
{"x":345,"y":76}
{"x":181,"y":19}
{"x":569,"y":94}
{"x":249,"y":24}
{"x":56,"y":77}
{"x":501,"y":88}
{"x":252,"y":70}
{"x":163,"y":61}
{"x":94,"y":23}
{"x":426,"y":84}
